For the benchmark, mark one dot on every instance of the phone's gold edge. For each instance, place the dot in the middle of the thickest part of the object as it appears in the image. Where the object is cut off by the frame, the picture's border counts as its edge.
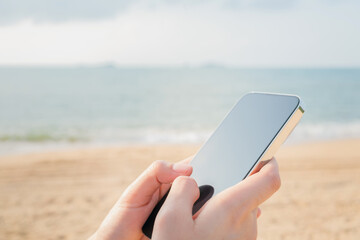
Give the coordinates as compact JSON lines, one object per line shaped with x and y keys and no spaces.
{"x":280,"y":138}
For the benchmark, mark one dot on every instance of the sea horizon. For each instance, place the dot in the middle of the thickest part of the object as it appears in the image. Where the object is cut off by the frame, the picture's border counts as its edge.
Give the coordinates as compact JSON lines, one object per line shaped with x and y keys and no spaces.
{"x":51,"y":107}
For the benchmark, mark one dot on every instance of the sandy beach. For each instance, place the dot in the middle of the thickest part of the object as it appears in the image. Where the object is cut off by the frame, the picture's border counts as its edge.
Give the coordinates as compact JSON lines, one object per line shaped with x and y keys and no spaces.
{"x":65,"y":195}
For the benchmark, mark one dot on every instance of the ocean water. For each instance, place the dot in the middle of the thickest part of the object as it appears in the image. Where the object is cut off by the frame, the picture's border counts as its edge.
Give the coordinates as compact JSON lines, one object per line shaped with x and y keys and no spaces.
{"x":84,"y":106}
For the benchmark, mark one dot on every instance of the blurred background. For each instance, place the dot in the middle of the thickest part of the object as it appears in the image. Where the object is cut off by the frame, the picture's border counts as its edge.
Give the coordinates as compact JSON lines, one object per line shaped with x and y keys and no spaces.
{"x":139,"y":76}
{"x":168,"y":71}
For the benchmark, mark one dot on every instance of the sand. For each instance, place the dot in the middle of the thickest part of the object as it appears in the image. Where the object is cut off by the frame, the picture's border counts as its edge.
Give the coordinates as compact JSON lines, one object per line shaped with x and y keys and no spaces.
{"x":65,"y":195}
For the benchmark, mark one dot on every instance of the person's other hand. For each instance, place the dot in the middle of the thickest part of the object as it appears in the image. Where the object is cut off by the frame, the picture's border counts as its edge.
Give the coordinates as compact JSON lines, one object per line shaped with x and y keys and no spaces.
{"x":126,"y":218}
{"x":231,"y":214}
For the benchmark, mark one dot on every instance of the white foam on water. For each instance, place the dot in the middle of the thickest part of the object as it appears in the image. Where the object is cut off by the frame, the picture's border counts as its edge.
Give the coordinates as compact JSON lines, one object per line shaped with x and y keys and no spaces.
{"x":304,"y":132}
{"x":324,"y":131}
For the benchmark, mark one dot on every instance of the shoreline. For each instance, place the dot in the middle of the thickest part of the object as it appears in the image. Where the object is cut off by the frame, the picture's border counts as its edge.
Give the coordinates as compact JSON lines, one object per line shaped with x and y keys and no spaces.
{"x":61,"y":147}
{"x":66,"y":194}
{"x":43,"y":141}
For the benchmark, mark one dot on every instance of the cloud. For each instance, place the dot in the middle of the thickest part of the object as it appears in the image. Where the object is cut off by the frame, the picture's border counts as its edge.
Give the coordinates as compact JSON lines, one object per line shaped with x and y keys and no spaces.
{"x":304,"y":34}
{"x":54,"y":10}
{"x":12,"y":11}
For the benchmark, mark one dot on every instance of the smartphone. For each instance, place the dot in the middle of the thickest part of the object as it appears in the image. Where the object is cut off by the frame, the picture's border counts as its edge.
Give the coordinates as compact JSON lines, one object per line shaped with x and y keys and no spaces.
{"x":249,"y":135}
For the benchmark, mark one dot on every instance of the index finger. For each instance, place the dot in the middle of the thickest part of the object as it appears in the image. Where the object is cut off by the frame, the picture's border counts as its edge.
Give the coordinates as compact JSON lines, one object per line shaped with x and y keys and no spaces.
{"x":254,"y":190}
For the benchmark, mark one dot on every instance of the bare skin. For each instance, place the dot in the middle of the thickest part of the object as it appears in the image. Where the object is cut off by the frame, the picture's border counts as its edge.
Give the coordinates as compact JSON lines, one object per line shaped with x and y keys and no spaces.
{"x":231,"y":214}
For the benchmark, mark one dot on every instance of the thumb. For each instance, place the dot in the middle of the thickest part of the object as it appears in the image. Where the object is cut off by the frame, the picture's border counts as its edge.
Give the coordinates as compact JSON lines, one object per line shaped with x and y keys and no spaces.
{"x":177,"y":208}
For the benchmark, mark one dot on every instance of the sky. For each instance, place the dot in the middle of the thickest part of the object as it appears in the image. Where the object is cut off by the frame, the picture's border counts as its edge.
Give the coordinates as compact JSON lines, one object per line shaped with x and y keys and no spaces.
{"x":243,"y":33}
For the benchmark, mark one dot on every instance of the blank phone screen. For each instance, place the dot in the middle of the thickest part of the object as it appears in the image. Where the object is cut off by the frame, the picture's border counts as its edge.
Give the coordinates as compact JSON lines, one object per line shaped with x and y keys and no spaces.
{"x":241,"y":139}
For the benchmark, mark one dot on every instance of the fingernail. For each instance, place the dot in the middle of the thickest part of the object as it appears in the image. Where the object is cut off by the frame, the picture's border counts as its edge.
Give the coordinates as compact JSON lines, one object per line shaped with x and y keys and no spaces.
{"x":181,"y":167}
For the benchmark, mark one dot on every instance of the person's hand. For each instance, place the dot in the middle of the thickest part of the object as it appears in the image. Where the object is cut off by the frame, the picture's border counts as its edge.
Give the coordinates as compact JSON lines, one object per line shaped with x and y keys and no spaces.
{"x":126,"y":218}
{"x":231,"y":214}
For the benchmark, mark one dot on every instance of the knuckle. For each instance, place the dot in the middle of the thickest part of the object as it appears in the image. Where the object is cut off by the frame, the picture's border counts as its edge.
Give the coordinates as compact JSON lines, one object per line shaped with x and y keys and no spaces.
{"x":184,"y":181}
{"x":157,"y":165}
{"x":187,"y":184}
